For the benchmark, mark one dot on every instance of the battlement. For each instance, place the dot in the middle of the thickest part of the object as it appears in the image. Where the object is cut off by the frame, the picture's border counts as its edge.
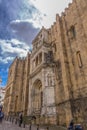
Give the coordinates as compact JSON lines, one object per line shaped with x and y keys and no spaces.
{"x":67,"y":9}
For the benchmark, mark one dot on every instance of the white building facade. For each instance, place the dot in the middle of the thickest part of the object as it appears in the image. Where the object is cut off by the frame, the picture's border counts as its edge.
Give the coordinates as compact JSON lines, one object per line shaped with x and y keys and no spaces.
{"x":2,"y":95}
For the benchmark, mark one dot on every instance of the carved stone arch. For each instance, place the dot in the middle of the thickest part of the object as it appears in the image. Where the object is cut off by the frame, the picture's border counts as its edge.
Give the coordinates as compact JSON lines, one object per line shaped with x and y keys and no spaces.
{"x":37,"y":96}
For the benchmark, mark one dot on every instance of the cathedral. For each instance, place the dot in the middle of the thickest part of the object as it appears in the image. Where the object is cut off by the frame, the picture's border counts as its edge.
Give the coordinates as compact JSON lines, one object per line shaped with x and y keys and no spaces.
{"x":51,"y":82}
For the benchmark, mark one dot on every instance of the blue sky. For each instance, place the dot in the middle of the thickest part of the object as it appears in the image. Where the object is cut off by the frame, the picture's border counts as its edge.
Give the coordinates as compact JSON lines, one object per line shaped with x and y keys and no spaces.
{"x":20,"y":21}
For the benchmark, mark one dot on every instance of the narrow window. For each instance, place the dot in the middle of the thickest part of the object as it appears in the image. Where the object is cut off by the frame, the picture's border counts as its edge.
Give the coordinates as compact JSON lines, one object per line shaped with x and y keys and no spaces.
{"x":54,"y":48}
{"x":41,"y":35}
{"x":36,"y":60}
{"x":79,"y":59}
{"x":72,"y":32}
{"x":10,"y":72}
{"x":45,"y":57}
{"x":34,"y":63}
{"x":41,"y":98}
{"x":40,"y":57}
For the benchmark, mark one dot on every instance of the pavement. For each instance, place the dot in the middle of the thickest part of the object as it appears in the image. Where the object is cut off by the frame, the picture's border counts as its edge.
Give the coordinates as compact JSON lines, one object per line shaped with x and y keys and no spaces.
{"x":6,"y":125}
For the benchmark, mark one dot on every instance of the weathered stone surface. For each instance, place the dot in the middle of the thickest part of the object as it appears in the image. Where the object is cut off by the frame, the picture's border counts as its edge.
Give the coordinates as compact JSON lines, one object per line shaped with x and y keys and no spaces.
{"x":65,"y":70}
{"x":16,"y":97}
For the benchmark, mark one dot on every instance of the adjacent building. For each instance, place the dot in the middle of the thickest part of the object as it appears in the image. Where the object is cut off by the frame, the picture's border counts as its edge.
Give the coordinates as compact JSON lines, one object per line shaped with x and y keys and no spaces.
{"x":16,"y":98}
{"x":2,"y":95}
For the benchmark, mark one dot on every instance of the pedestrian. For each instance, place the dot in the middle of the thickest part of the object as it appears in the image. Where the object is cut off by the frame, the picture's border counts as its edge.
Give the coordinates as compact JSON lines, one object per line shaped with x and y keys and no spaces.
{"x":71,"y":125}
{"x":1,"y":115}
{"x":20,"y":119}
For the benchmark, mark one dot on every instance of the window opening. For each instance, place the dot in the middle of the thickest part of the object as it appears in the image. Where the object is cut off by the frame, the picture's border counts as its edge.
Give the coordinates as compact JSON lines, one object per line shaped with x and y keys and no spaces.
{"x":79,"y":59}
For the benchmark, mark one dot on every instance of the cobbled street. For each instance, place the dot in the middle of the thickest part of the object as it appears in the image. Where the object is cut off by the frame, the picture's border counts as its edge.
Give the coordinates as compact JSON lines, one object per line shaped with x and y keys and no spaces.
{"x":6,"y":125}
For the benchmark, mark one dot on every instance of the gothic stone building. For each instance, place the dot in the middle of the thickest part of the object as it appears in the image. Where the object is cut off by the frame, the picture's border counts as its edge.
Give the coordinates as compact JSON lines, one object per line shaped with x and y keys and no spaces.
{"x":58,"y":69}
{"x":58,"y":82}
{"x":16,"y":97}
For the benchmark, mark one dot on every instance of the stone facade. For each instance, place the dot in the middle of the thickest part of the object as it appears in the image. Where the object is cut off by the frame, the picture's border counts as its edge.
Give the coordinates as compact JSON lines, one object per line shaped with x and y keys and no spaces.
{"x":70,"y":57}
{"x":69,"y":36}
{"x":58,"y":65}
{"x":16,"y":96}
{"x":2,"y":95}
{"x":41,"y":81}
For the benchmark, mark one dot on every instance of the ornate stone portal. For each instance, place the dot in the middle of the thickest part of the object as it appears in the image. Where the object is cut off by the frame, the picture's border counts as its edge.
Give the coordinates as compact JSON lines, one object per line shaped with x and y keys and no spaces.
{"x":42,"y":81}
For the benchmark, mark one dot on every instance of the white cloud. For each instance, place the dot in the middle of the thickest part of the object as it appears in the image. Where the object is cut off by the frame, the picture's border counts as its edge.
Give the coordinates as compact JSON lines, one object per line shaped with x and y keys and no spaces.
{"x":6,"y":60}
{"x":50,"y":8}
{"x":16,"y":42}
{"x":13,"y":46}
{"x":11,"y":49}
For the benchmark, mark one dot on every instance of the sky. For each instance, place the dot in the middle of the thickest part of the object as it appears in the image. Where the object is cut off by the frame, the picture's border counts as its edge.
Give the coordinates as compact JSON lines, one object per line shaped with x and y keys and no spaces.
{"x":20,"y":21}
